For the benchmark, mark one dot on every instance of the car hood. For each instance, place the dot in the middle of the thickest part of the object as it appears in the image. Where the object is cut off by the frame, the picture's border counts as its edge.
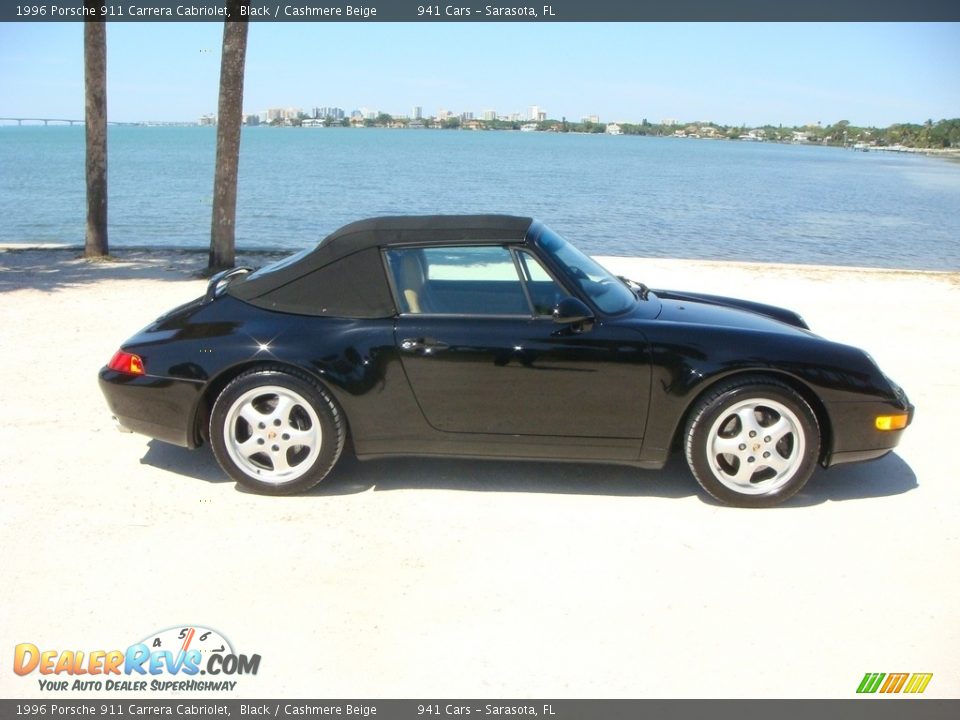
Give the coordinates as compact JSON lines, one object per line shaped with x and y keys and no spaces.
{"x":719,"y":311}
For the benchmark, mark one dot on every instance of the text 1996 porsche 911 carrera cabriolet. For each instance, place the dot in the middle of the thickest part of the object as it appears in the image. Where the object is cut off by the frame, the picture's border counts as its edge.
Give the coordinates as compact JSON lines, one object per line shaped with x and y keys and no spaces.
{"x":491,"y":336}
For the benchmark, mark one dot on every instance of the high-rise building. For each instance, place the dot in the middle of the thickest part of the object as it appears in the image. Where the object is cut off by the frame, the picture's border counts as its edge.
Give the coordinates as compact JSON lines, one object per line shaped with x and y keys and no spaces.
{"x":417,"y":112}
{"x":489,"y":115}
{"x":537,"y":114}
{"x":332,"y":113}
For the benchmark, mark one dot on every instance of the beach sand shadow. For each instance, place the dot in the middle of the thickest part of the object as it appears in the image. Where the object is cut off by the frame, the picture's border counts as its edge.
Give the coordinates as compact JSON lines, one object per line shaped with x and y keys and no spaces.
{"x":53,"y":269}
{"x":881,"y":478}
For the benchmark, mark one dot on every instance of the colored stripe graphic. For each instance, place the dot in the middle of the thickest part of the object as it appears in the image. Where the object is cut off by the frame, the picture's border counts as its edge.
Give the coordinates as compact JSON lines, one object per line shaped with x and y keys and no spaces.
{"x":894,"y":683}
{"x":870,"y":682}
{"x":918,"y":683}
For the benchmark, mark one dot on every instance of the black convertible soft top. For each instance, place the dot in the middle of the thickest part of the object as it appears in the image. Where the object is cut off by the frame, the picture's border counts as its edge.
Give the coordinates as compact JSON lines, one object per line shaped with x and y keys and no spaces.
{"x":343,"y":276}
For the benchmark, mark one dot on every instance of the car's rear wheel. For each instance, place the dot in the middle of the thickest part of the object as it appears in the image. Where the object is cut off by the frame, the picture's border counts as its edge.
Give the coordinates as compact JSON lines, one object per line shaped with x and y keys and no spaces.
{"x":752,"y":442}
{"x":276,"y":431}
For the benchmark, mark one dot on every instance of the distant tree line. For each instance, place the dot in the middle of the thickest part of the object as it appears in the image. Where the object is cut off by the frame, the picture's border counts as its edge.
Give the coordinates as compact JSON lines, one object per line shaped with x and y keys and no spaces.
{"x":929,"y":135}
{"x":940,"y":134}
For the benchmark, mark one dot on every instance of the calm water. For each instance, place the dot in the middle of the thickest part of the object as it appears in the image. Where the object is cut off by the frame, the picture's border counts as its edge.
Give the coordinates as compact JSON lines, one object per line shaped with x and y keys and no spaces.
{"x":659,"y":197}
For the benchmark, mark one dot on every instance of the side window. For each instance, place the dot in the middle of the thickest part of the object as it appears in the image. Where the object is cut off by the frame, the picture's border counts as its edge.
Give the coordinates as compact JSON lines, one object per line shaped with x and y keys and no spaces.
{"x":545,"y":292}
{"x":457,"y":280}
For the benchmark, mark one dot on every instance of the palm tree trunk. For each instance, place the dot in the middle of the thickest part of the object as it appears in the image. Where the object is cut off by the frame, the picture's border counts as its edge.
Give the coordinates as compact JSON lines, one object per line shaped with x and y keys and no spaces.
{"x":95,"y":79}
{"x":229,"y":120}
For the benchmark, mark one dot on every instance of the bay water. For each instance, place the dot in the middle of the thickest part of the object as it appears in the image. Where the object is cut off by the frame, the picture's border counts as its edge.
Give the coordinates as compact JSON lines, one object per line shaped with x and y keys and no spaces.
{"x":610,"y":195}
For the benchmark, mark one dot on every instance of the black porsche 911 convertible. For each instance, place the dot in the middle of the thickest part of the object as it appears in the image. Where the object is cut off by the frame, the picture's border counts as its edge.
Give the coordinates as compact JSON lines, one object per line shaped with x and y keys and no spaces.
{"x":491,"y":336}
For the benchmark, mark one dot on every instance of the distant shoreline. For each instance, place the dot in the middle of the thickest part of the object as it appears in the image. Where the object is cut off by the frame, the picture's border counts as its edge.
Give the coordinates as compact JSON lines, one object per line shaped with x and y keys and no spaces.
{"x":951,"y":153}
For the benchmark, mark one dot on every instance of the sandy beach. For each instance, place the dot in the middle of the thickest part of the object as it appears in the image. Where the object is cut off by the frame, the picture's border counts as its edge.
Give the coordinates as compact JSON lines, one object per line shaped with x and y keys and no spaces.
{"x":427,"y":578}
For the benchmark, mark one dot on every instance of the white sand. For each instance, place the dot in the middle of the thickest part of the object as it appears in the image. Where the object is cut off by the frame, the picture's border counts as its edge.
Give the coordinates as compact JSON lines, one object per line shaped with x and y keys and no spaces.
{"x":425,"y":578}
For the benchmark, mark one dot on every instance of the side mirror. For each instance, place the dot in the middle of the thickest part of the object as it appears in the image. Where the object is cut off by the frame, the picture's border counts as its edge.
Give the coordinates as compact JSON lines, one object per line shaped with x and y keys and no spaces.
{"x":571,"y":310}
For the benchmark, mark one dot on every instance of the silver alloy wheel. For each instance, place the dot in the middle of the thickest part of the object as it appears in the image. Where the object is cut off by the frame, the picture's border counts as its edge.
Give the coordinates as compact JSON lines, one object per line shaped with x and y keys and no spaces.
{"x":756,"y":446}
{"x":272,"y":434}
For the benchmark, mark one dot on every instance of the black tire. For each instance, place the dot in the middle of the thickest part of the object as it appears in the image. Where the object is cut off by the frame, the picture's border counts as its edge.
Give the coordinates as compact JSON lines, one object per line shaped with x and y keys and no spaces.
{"x":276,"y":431}
{"x":769,"y":432}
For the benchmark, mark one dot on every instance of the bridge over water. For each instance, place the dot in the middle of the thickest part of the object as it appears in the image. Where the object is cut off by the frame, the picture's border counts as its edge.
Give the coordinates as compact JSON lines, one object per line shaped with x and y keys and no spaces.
{"x":47,"y":121}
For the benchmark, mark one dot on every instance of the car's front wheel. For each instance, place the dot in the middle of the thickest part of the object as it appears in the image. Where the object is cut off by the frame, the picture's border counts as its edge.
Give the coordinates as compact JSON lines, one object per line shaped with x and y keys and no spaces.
{"x":752,"y":442}
{"x":276,"y":431}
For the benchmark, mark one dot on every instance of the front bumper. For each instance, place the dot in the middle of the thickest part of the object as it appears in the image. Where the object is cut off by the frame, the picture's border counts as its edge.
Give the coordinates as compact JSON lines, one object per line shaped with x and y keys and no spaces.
{"x":855,"y":435}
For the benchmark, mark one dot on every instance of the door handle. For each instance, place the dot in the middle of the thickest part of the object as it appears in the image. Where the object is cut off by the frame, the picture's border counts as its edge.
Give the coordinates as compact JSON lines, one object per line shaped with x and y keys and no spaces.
{"x":424,"y":345}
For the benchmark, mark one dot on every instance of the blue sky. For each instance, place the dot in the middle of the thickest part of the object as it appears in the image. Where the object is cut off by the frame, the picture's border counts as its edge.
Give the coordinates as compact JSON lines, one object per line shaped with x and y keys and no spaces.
{"x":731,"y":73}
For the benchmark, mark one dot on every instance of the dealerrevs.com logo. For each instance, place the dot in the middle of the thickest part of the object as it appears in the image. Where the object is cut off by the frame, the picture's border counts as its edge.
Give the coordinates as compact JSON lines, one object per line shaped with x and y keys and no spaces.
{"x":170,"y":660}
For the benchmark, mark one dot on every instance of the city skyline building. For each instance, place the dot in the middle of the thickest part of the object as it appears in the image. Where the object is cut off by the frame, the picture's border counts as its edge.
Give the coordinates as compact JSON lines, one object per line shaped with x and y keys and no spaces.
{"x":332,"y":113}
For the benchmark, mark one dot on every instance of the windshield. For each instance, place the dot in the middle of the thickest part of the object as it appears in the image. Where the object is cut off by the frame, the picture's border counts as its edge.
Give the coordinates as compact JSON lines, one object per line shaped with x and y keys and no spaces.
{"x":609,"y":294}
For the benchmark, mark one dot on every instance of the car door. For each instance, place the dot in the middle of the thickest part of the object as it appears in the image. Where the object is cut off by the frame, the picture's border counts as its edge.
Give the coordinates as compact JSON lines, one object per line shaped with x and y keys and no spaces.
{"x":483,"y":354}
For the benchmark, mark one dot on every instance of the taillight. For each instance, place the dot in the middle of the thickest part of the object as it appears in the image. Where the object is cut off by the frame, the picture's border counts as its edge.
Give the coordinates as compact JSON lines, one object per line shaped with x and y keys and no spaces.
{"x":126,"y":363}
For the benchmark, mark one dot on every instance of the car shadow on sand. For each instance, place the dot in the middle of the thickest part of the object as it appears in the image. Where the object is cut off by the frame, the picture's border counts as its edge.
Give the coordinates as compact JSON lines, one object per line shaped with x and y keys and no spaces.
{"x":879,"y":478}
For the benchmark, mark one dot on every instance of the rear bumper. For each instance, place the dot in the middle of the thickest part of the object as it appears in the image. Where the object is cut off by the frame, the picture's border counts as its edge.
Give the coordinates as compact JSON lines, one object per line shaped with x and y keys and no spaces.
{"x":119,"y":425}
{"x":161,"y":408}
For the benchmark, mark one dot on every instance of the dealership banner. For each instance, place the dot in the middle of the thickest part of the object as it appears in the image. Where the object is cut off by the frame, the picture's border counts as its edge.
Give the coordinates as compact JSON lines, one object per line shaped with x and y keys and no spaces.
{"x":114,"y":707}
{"x":502,"y":11}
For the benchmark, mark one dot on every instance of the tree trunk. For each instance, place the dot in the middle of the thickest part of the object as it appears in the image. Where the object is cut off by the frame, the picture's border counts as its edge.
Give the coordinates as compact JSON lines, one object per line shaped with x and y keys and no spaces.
{"x":229,"y":121}
{"x":95,"y":79}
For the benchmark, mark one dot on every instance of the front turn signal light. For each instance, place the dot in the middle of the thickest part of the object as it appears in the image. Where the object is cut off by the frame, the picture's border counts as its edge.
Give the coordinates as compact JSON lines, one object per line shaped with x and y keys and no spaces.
{"x":891,"y":422}
{"x":126,"y":363}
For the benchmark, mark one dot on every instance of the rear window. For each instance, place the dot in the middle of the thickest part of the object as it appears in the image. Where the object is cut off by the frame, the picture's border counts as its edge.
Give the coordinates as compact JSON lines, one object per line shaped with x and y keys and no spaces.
{"x":352,"y":287}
